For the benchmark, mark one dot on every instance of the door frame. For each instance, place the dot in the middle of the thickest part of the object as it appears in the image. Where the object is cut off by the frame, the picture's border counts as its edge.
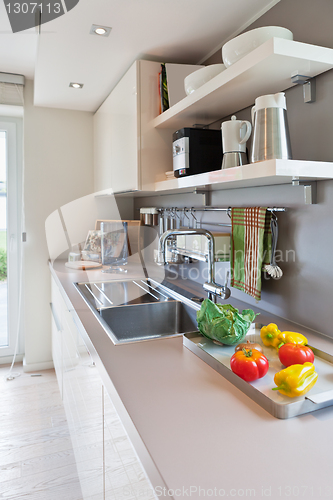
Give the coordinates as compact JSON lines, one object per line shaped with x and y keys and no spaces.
{"x":14,"y":134}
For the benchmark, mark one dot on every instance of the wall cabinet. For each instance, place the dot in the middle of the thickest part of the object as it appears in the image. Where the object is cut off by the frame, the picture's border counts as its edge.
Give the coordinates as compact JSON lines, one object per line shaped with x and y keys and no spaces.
{"x":129,"y":153}
{"x":107,"y":464}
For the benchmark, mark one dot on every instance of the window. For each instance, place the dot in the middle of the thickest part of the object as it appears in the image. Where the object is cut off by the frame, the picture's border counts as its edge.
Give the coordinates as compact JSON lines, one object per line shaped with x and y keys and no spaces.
{"x":3,"y":241}
{"x":10,"y":231}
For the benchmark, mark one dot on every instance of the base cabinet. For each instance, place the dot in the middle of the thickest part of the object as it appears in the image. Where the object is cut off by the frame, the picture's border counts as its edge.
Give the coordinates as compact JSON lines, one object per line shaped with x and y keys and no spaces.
{"x":107,"y":464}
{"x":81,"y":391}
{"x":83,"y":405}
{"x":56,"y":329}
{"x":125,"y":476}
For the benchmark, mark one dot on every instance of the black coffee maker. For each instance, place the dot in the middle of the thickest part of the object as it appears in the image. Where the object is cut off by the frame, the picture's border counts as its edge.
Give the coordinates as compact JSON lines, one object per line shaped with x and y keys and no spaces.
{"x":196,"y":150}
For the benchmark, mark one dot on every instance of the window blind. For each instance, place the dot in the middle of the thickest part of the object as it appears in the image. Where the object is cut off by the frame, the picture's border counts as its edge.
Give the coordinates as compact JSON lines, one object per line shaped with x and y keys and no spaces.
{"x":11,"y":89}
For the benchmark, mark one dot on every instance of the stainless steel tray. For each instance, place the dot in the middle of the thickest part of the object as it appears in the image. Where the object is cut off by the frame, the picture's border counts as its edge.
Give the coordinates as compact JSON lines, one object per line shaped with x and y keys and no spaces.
{"x":260,"y":391}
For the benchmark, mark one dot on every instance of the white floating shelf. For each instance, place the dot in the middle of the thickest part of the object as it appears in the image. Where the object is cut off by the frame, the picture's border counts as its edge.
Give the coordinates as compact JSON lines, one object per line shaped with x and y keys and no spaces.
{"x":267,"y":69}
{"x":265,"y":173}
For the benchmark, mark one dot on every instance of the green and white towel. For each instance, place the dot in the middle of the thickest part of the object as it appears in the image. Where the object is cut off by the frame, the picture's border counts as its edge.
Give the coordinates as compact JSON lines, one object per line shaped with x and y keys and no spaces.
{"x":251,"y":246}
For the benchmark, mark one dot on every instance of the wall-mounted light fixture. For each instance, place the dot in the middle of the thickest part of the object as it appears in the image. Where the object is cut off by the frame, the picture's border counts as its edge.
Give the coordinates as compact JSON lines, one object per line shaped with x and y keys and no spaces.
{"x":97,"y":29}
{"x":75,"y":85}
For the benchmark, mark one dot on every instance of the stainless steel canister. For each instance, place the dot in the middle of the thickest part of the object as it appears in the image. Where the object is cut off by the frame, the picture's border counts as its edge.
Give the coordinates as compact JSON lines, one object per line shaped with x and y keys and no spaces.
{"x":149,"y":216}
{"x":270,"y":135}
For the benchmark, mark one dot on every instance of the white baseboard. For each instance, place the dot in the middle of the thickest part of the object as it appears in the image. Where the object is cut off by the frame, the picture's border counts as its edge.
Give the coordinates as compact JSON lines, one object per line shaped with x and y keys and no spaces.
{"x":36,"y":367}
{"x":7,"y":360}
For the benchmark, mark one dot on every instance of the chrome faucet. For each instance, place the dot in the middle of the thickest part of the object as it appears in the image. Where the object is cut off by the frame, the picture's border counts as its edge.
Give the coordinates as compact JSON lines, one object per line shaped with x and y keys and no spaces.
{"x":213,"y":289}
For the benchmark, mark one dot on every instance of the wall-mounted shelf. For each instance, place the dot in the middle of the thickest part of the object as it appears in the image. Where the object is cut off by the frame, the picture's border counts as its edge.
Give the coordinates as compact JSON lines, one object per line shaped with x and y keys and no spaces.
{"x":267,"y":69}
{"x":265,"y":173}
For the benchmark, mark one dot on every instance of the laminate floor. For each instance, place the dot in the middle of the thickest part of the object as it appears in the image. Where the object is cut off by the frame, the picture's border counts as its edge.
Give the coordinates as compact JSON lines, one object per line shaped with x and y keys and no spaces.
{"x":36,"y":456}
{"x":37,"y":461}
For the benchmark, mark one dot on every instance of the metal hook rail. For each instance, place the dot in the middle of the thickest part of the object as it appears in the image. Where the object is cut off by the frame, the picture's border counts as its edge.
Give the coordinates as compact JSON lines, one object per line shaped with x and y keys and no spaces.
{"x":174,"y":212}
{"x":185,"y":210}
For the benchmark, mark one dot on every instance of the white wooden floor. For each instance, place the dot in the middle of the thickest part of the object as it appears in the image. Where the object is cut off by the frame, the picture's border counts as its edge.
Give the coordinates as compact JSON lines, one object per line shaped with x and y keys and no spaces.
{"x":36,"y":455}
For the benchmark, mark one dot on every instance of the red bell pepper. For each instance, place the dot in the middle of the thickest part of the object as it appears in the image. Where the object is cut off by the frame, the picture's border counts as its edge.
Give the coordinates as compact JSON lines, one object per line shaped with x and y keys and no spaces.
{"x":249,"y":364}
{"x":295,"y":354}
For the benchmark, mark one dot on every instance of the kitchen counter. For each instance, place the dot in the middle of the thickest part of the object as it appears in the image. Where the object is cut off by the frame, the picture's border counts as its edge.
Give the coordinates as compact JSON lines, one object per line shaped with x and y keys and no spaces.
{"x":197,"y":434}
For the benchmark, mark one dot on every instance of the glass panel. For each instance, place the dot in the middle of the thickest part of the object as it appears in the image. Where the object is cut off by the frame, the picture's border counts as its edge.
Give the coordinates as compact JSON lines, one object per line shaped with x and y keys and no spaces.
{"x":3,"y":242}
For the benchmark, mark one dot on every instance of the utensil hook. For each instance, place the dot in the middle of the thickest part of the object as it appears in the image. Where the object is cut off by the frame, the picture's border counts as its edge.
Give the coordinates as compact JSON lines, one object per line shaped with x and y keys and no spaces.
{"x":195,"y":220}
{"x":178,"y":221}
{"x":274,"y":216}
{"x":185,"y":215}
{"x":175,"y":209}
{"x":173,"y":218}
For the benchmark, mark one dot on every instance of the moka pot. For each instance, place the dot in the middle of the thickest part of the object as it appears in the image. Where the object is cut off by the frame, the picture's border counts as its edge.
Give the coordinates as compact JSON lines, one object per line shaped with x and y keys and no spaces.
{"x":235,"y":133}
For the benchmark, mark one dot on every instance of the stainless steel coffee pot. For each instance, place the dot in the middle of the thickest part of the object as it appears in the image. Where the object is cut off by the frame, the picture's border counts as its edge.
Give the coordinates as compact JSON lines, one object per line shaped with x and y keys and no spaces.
{"x":270,"y":138}
{"x":235,"y":133}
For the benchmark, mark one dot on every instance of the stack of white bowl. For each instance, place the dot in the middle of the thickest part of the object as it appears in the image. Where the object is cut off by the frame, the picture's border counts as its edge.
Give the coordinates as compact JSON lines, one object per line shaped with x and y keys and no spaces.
{"x":234,"y":50}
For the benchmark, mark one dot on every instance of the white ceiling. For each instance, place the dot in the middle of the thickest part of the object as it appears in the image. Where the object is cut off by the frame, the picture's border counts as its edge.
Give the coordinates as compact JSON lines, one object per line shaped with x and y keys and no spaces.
{"x":17,"y":51}
{"x":181,"y":31}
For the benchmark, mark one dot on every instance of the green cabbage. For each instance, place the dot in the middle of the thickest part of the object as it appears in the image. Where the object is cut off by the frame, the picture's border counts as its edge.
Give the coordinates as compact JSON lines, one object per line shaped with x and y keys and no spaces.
{"x":224,"y":322}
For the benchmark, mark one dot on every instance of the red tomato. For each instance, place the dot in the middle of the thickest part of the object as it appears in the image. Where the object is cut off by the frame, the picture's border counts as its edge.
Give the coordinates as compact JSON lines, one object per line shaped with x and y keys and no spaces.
{"x":295,"y":354}
{"x":249,"y":364}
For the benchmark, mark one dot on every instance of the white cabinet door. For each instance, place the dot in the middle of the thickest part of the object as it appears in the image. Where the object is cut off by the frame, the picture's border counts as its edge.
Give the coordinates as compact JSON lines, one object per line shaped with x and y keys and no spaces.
{"x":125,"y":133}
{"x":84,"y":411}
{"x":56,"y":329}
{"x":81,"y":390}
{"x":57,"y":349}
{"x":125,"y":476}
{"x":102,"y":146}
{"x":116,"y":136}
{"x":129,"y":153}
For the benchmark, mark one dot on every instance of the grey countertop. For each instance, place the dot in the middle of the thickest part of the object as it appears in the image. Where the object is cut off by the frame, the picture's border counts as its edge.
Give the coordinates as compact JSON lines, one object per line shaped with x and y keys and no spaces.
{"x":200,"y":431}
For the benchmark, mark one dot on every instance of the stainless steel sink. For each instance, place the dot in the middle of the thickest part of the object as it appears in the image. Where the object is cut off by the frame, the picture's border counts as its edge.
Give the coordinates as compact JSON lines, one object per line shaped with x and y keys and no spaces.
{"x":106,"y":294}
{"x":135,"y":310}
{"x":150,"y":321}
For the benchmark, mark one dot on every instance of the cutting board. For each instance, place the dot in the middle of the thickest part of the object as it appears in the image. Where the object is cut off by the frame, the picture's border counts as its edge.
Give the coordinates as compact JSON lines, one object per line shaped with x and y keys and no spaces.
{"x":83,"y":265}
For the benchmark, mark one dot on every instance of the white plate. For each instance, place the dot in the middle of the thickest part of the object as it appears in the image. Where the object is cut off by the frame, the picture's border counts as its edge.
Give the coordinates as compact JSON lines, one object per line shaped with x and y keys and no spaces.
{"x":83,"y":265}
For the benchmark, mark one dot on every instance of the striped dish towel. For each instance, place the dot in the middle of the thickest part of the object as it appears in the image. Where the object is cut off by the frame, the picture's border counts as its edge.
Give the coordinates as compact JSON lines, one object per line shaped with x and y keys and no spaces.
{"x":250,"y":248}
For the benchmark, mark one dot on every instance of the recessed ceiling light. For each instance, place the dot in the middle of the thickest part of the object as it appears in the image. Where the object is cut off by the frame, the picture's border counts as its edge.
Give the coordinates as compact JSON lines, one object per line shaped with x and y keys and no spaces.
{"x":97,"y":29}
{"x":76,"y":85}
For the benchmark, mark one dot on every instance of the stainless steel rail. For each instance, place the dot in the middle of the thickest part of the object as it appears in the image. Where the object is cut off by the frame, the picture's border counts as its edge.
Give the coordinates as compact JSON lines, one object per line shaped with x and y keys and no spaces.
{"x":210,"y":209}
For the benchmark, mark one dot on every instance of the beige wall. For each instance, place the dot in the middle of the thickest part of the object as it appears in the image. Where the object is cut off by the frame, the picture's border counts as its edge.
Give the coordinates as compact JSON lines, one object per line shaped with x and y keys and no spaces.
{"x":58,"y":157}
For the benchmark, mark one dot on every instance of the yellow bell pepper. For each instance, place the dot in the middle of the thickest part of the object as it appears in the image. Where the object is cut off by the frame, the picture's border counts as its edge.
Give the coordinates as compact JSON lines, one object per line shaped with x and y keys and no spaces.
{"x":296,"y":380}
{"x":269,"y":335}
{"x":291,"y":338}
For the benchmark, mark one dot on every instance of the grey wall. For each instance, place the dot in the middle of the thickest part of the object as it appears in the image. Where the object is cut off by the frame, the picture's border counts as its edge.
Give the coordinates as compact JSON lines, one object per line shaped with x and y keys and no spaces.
{"x":304,"y":294}
{"x":309,"y":20}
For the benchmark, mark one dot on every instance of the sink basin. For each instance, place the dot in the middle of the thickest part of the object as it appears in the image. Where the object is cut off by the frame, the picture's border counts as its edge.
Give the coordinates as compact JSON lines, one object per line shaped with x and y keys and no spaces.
{"x":135,"y":310}
{"x":150,"y":321}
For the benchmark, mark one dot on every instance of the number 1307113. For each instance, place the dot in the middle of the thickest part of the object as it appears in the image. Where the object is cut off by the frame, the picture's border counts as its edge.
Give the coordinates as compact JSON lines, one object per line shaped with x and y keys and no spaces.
{"x":32,"y":7}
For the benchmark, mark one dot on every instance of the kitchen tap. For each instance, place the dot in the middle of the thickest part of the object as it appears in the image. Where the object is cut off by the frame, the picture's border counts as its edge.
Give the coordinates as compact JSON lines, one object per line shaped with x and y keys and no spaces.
{"x":213,"y":289}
